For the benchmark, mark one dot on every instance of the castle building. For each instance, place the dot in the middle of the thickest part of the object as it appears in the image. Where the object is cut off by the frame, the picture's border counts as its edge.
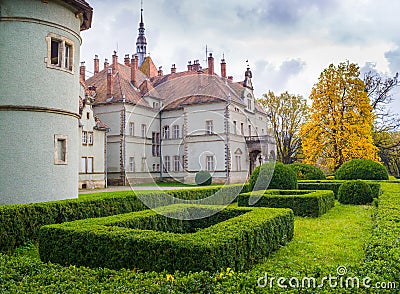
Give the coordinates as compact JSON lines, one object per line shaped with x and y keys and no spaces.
{"x":170,"y":126}
{"x":39,"y":103}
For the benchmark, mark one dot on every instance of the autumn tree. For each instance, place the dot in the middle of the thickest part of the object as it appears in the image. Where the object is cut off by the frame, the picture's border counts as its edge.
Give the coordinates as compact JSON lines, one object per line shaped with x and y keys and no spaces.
{"x":287,"y":112}
{"x":340,"y":124}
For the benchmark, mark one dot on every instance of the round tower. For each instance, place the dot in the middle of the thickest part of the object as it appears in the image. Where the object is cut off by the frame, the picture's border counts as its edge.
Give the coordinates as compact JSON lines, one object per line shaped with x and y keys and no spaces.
{"x":39,"y":89}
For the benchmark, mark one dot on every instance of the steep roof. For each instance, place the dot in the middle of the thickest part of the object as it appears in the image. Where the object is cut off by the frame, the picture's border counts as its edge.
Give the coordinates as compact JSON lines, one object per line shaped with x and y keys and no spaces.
{"x":148,"y":67}
{"x":86,"y":10}
{"x":122,"y":87}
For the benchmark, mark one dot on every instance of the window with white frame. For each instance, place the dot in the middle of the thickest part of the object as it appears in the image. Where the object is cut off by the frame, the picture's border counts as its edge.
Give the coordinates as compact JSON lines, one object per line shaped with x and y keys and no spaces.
{"x":84,"y":137}
{"x":209,"y":127}
{"x":167,"y":163}
{"x":242,"y":129}
{"x":249,"y":130}
{"x":132,"y":164}
{"x":166,"y":132}
{"x":175,"y":132}
{"x":177,"y":163}
{"x":144,"y":131}
{"x":143,"y":167}
{"x":87,"y":164}
{"x":155,"y":144}
{"x":60,"y":52}
{"x":132,"y":129}
{"x":90,"y":138}
{"x":238,"y":161}
{"x":210,"y":163}
{"x":235,"y":127}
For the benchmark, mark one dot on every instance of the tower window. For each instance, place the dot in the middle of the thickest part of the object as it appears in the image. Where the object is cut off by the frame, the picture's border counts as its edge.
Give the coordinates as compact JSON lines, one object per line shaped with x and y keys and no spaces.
{"x":60,"y":149}
{"x":60,"y":52}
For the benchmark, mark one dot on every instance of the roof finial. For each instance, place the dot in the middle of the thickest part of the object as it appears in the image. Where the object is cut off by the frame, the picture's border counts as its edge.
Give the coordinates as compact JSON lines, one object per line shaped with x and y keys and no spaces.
{"x":141,"y":11}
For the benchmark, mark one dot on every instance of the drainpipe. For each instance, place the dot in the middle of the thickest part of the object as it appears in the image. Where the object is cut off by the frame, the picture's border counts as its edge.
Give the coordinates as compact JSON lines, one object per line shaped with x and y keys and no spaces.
{"x":161,"y":140}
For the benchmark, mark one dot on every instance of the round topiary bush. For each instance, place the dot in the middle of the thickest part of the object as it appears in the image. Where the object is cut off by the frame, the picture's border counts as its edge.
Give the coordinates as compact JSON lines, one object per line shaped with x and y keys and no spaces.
{"x":305,"y":171}
{"x":203,"y":178}
{"x":361,"y":169}
{"x":355,"y":192}
{"x":283,"y":177}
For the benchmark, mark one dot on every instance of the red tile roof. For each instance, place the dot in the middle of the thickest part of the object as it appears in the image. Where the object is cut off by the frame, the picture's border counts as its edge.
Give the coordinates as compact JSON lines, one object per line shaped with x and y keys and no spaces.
{"x":148,"y":67}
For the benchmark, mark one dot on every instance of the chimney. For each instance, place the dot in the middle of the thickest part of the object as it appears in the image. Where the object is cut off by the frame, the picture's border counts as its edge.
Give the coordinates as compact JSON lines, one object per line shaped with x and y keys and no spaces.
{"x":210,"y":64}
{"x":230,"y":79}
{"x":82,"y":70}
{"x":173,"y":69}
{"x":134,"y":68}
{"x":196,"y":65}
{"x":190,"y":66}
{"x":96,"y":64}
{"x":114,"y":64}
{"x":223,"y":68}
{"x":110,"y":84}
{"x":106,"y":64}
{"x":127,"y":60}
{"x":160,"y":71}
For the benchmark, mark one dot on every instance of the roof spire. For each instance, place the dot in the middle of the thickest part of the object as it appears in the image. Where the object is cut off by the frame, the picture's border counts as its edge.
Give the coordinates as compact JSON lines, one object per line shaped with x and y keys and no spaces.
{"x":141,"y":42}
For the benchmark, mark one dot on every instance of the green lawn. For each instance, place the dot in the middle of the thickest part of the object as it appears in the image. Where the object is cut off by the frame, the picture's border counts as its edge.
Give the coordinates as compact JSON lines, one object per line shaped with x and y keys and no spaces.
{"x":319,"y":246}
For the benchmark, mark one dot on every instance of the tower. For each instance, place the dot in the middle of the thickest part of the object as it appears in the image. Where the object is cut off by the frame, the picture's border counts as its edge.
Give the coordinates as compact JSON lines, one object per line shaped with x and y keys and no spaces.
{"x":39,"y":120}
{"x":141,"y":42}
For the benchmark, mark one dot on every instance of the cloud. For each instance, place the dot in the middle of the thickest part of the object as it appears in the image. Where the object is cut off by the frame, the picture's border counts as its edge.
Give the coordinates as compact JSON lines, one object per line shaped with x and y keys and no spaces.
{"x":393,"y":57}
{"x":277,"y":77}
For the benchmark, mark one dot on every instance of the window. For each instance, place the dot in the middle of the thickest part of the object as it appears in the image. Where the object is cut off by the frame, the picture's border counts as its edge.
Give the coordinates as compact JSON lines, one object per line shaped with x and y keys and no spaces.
{"x":249,"y":104}
{"x":60,"y":52}
{"x":131,"y":129}
{"x":132,"y":164}
{"x":84,"y":137}
{"x":210,"y":163}
{"x":249,"y":130}
{"x":60,"y":149}
{"x":177,"y":163}
{"x":235,"y":127}
{"x":175,"y":131}
{"x":143,"y":168}
{"x":209,"y":127}
{"x":87,"y":115}
{"x":144,"y":131}
{"x":156,"y":105}
{"x":242,"y":129}
{"x":155,"y":144}
{"x":90,"y":138}
{"x":167,"y":164}
{"x":238,"y":161}
{"x":87,"y":165}
{"x":166,"y":132}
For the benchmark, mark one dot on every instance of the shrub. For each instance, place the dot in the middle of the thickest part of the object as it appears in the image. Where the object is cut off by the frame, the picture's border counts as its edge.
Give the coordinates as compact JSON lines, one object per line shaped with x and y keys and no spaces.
{"x":303,"y":203}
{"x":305,"y":171}
{"x":233,"y":237}
{"x":334,"y":186}
{"x":361,"y":169}
{"x":20,"y":223}
{"x":282,"y":177}
{"x":203,"y":178}
{"x":355,"y":192}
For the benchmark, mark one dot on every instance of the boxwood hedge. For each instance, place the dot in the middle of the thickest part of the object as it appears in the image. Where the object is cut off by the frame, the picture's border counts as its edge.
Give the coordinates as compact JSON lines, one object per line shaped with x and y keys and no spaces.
{"x":21,"y":223}
{"x":334,"y":186}
{"x":232,"y":238}
{"x":303,"y":203}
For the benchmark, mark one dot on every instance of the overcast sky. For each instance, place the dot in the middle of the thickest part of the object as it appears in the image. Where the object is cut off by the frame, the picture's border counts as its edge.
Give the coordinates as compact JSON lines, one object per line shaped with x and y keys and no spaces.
{"x":287,"y":42}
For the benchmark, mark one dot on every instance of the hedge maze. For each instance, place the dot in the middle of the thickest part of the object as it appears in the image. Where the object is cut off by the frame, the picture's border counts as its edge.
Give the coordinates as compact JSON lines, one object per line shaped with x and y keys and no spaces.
{"x":231,"y":238}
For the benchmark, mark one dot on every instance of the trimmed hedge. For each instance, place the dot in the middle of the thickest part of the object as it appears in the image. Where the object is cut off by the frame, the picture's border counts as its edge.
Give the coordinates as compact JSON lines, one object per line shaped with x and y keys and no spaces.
{"x":355,"y":192}
{"x":282,"y":177}
{"x":203,"y":178}
{"x":305,"y":171}
{"x":232,"y":238}
{"x":303,"y":203}
{"x":21,"y":223}
{"x":334,"y":186}
{"x":362,"y":169}
{"x":382,"y":253}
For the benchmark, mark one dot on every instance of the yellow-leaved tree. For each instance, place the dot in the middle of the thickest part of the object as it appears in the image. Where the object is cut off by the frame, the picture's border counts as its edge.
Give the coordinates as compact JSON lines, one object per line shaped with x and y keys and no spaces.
{"x":340,"y":121}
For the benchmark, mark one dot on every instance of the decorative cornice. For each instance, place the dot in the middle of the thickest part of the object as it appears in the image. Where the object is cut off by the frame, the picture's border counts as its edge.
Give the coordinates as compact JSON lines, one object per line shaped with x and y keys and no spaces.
{"x":38,"y":109}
